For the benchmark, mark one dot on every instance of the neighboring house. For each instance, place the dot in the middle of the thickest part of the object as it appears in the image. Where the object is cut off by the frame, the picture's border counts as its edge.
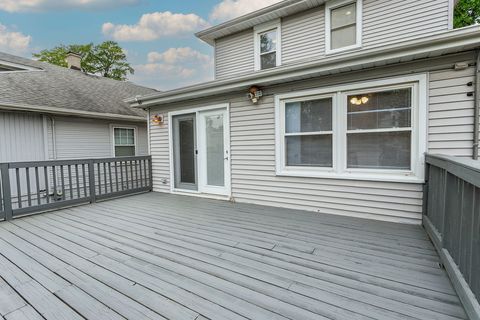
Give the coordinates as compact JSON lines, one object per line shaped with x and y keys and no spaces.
{"x":53,"y":113}
{"x":351,"y":95}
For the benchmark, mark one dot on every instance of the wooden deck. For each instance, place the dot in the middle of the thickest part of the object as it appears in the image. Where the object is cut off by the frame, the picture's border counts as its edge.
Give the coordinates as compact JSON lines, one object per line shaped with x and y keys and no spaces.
{"x":157,"y":256}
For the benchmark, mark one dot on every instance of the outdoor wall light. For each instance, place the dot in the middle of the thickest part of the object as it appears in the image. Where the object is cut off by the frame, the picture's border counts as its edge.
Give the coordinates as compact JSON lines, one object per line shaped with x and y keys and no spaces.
{"x":158,"y":119}
{"x":254,"y":94}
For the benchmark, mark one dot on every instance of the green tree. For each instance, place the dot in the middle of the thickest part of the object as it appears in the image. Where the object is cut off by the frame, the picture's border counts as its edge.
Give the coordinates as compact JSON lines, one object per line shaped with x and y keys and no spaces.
{"x":467,"y":13}
{"x":106,"y":59}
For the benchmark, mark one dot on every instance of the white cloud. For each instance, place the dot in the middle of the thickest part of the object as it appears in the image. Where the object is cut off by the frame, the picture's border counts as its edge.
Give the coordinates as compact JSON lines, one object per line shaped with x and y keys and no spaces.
{"x":43,"y":5}
{"x":173,"y":68}
{"x":229,"y":9}
{"x":156,"y":25}
{"x":13,"y":41}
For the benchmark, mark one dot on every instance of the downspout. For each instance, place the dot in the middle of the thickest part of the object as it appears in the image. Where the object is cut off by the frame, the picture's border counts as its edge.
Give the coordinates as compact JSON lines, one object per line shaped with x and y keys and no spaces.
{"x":476,"y":114}
{"x":54,"y":139}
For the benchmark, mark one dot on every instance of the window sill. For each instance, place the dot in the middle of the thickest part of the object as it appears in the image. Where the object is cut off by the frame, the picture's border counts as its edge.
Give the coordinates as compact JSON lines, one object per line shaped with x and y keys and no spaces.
{"x":329,"y":52}
{"x":363,"y":176}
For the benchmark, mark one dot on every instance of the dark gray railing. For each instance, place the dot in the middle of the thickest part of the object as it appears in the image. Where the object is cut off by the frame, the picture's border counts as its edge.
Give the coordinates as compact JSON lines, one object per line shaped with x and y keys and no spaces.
{"x":32,"y":187}
{"x":452,"y":219}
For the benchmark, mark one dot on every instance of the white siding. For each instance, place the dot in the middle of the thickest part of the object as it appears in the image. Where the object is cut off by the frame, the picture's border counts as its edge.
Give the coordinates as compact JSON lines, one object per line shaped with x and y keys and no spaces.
{"x":451,"y":112}
{"x":385,"y":22}
{"x":253,"y":150}
{"x":303,"y":34}
{"x":89,"y":138}
{"x":21,"y":137}
{"x":234,"y":54}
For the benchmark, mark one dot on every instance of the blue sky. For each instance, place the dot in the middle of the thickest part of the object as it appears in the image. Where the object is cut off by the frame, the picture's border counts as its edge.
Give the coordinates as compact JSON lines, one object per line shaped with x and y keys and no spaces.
{"x":157,"y":35}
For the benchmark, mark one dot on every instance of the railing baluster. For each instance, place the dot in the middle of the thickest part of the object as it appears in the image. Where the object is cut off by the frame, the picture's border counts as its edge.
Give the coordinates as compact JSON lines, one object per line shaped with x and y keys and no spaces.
{"x":99,"y":175}
{"x":91,"y":181}
{"x":84,"y":180}
{"x":62,"y":177}
{"x":110,"y":176}
{"x":54,"y":172}
{"x":29,"y":193}
{"x":126,"y":184}
{"x":121,"y":175}
{"x":19,"y":188}
{"x":45,"y":176}
{"x":77,"y":180}
{"x":141,"y":174}
{"x":105,"y":176}
{"x":37,"y":183}
{"x":131,"y":175}
{"x":116,"y":176}
{"x":136,"y":173}
{"x":70,"y":180}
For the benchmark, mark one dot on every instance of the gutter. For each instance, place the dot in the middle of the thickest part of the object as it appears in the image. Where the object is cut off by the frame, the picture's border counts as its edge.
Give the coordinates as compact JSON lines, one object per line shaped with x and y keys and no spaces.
{"x":69,"y":112}
{"x":464,"y":39}
{"x":476,"y":114}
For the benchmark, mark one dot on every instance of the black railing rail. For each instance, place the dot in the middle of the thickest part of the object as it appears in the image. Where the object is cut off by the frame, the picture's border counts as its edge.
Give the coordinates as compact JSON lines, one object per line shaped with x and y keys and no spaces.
{"x":33,"y":187}
{"x":452,"y":219}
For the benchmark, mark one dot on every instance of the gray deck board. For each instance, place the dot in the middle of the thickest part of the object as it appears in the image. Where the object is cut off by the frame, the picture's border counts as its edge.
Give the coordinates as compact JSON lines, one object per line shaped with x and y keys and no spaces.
{"x":156,"y":256}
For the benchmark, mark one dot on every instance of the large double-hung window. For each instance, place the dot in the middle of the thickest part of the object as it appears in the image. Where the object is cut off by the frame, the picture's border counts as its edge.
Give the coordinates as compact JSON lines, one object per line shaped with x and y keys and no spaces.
{"x":366,"y":131}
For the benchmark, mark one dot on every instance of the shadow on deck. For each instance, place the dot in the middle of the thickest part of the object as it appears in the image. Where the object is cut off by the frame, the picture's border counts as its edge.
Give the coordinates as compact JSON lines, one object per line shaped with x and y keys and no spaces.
{"x":158,"y":256}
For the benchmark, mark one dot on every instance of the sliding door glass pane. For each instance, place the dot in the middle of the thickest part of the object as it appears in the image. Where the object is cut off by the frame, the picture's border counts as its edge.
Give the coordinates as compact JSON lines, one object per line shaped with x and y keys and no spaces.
{"x":379,"y":150}
{"x":308,"y":116}
{"x":187,"y":150}
{"x":214,"y":133}
{"x":309,"y":151}
{"x":380,"y":110}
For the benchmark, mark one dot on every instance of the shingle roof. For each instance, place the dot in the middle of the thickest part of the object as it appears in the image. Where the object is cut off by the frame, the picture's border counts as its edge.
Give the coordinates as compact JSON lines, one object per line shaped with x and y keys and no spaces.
{"x":54,"y":86}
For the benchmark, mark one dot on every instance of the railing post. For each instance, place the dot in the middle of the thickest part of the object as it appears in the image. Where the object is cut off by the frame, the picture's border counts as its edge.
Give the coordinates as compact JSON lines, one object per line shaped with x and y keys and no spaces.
{"x":7,"y":193}
{"x":91,"y":181}
{"x":425,"y":188}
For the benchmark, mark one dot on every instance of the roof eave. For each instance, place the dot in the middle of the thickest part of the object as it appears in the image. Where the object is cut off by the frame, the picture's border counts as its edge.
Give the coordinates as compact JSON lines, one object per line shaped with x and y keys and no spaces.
{"x":462,"y":38}
{"x":251,"y":19}
{"x":69,"y":112}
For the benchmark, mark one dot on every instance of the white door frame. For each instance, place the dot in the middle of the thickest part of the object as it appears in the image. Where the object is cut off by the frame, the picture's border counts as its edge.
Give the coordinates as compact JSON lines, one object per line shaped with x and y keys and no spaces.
{"x":171,"y":114}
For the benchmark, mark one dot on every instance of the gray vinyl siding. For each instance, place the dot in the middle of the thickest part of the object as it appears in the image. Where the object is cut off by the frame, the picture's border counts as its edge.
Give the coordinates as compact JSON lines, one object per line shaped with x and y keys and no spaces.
{"x":21,"y":137}
{"x":451,"y":112}
{"x":252,"y":131}
{"x":77,"y":138}
{"x":234,"y":54}
{"x":385,"y":22}
{"x":303,"y":34}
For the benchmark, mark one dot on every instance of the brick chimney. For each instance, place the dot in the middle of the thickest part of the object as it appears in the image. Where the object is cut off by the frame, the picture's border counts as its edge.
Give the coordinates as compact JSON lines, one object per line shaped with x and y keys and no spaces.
{"x":74,"y":61}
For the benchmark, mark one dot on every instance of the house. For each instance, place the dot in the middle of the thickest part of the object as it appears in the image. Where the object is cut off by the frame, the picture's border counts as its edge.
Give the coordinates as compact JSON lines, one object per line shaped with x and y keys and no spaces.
{"x":327,"y":106}
{"x":53,"y":113}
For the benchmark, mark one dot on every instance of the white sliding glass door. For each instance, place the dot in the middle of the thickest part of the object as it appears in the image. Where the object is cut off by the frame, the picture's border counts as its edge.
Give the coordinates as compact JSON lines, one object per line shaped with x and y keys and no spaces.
{"x":201,"y":152}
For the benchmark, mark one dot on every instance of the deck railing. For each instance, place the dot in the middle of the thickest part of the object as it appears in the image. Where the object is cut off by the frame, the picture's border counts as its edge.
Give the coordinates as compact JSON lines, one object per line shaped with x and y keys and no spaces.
{"x":452,"y":219}
{"x":32,"y":187}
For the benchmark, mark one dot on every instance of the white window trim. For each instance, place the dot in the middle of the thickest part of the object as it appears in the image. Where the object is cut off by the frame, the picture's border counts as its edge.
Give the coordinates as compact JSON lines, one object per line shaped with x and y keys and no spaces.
{"x":259,"y":29}
{"x":329,"y":6}
{"x":339,"y":169}
{"x":112,"y":136}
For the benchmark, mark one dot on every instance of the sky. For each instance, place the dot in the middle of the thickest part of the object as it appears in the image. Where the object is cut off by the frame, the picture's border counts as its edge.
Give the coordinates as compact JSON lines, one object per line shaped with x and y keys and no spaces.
{"x":157,"y":35}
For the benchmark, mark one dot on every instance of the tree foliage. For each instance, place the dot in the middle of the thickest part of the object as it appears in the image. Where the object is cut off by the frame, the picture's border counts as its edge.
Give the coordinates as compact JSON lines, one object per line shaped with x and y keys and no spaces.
{"x":467,"y":13}
{"x":106,"y":59}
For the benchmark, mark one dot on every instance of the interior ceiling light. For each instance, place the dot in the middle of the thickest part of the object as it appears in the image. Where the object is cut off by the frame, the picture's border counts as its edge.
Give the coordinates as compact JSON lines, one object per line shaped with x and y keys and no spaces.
{"x":359,"y":100}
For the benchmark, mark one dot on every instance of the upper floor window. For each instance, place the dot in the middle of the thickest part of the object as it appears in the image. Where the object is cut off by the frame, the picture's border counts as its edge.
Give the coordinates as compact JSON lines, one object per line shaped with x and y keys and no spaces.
{"x":267,"y":45}
{"x":343,"y":25}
